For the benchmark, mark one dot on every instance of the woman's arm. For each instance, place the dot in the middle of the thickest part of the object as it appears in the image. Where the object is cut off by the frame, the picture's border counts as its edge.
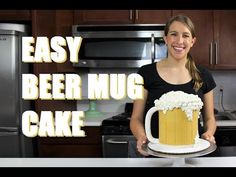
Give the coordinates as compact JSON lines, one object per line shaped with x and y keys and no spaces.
{"x":136,"y":122}
{"x":209,"y":117}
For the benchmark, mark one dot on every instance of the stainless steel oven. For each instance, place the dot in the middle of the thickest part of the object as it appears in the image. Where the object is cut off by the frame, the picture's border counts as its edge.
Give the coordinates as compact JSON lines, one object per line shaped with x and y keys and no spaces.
{"x":117,"y":138}
{"x":225,"y":134}
{"x":226,"y":141}
{"x":115,"y":46}
{"x":119,"y":146}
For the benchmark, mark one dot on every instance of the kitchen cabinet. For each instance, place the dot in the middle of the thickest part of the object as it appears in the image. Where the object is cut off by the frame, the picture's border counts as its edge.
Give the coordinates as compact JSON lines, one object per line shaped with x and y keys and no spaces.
{"x":15,"y":15}
{"x":102,"y":16}
{"x":121,"y":16}
{"x":152,"y":16}
{"x":89,"y":146}
{"x":59,"y":23}
{"x":215,"y":45}
{"x":63,"y":27}
{"x":225,"y":39}
{"x":203,"y":22}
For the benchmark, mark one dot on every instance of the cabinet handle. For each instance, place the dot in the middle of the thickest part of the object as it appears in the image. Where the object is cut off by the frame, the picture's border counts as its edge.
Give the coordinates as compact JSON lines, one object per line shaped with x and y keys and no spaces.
{"x":131,"y":14}
{"x":136,"y":14}
{"x":112,"y":141}
{"x":216,"y":52}
{"x":153,"y":47}
{"x":211,"y":48}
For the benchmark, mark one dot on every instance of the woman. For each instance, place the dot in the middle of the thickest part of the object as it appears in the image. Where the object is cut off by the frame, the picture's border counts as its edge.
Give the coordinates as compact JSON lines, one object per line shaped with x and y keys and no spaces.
{"x":176,"y":72}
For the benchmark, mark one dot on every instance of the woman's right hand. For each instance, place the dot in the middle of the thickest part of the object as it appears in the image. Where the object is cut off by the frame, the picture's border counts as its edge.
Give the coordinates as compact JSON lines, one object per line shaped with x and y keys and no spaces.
{"x":142,"y":140}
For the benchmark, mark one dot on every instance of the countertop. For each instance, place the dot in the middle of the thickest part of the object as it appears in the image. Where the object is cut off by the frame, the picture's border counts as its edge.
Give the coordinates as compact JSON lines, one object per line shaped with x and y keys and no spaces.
{"x":97,"y":121}
{"x":224,"y":123}
{"x":119,"y":162}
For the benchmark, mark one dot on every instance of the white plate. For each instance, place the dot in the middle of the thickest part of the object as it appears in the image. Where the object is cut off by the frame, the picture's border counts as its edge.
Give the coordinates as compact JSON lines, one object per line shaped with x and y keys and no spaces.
{"x":199,"y":146}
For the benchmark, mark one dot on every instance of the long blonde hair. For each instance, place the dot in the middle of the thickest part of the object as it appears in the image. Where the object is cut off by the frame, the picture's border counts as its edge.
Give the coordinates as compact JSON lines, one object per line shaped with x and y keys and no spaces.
{"x":190,"y":65}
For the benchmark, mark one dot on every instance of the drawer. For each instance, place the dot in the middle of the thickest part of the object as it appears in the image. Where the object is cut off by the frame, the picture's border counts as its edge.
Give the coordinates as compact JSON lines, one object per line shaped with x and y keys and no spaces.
{"x":48,"y":150}
{"x":93,"y":136}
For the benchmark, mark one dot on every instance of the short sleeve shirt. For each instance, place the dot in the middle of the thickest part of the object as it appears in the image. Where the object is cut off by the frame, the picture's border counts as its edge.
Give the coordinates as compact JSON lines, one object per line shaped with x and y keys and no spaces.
{"x":156,"y":87}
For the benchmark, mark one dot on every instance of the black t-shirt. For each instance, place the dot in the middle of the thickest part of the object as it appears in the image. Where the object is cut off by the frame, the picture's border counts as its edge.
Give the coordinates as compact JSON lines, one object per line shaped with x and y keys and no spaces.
{"x":156,"y":87}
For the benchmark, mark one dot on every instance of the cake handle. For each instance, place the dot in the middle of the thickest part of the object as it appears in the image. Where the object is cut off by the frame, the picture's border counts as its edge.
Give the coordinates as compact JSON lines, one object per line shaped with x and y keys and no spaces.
{"x":148,"y":125}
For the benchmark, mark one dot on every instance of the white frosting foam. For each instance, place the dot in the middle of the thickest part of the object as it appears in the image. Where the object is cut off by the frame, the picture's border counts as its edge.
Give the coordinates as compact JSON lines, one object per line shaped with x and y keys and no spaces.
{"x":179,"y":99}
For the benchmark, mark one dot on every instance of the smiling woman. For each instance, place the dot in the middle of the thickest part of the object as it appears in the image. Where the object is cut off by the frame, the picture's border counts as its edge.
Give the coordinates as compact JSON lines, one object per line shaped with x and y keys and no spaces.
{"x":179,"y":40}
{"x":176,"y":72}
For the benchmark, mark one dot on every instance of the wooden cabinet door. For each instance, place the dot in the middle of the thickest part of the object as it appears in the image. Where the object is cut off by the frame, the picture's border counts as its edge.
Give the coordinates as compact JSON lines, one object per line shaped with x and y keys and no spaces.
{"x":202,"y":51}
{"x":225,"y":39}
{"x":103,"y":16}
{"x":89,"y":146}
{"x":121,"y":16}
{"x":15,"y":15}
{"x":151,"y":16}
{"x":215,"y":45}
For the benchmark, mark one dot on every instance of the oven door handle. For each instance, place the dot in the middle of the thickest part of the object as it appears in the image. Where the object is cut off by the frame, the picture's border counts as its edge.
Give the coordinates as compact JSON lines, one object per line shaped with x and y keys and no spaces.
{"x":112,"y":141}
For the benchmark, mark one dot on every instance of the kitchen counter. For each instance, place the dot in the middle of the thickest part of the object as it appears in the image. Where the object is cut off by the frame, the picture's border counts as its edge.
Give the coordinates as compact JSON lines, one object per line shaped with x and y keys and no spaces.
{"x":224,"y":123}
{"x":97,"y":121}
{"x":224,"y":119}
{"x":117,"y":162}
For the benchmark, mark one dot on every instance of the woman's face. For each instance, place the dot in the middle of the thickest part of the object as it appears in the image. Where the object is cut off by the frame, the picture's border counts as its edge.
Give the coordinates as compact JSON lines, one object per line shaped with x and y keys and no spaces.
{"x":179,"y":40}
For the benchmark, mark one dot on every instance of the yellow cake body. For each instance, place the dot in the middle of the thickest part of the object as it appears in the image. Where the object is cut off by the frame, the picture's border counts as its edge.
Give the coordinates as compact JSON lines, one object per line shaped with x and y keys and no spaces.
{"x":178,"y":118}
{"x":176,"y":129}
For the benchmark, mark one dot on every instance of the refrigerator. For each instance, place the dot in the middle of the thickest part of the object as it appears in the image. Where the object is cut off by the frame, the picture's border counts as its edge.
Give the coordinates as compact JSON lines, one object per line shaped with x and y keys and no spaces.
{"x":12,"y":142}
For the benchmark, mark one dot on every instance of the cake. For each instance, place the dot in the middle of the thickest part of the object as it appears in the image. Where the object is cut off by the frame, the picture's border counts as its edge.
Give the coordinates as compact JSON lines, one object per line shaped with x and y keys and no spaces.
{"x":178,"y":118}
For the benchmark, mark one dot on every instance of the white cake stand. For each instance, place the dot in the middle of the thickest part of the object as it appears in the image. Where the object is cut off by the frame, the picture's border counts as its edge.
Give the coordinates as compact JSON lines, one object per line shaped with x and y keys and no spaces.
{"x":179,"y":157}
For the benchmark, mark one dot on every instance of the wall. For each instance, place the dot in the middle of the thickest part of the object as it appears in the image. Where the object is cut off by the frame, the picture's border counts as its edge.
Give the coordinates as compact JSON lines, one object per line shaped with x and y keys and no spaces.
{"x":225,"y":80}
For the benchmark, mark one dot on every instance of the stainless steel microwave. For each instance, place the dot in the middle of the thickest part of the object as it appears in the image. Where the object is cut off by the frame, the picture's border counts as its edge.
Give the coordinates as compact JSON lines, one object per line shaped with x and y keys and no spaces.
{"x":120,"y":46}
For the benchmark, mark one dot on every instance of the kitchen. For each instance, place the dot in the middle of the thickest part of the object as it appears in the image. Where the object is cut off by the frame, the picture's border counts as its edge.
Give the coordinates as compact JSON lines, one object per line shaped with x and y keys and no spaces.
{"x":60,"y":23}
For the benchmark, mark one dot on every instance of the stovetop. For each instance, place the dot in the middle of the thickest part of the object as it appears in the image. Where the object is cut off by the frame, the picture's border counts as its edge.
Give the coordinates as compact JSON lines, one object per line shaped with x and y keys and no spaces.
{"x":120,"y":119}
{"x":234,"y":112}
{"x":118,"y":124}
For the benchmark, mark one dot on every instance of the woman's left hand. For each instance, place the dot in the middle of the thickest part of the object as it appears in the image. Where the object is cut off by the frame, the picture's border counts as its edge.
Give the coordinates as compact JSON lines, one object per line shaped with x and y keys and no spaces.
{"x":209,"y":137}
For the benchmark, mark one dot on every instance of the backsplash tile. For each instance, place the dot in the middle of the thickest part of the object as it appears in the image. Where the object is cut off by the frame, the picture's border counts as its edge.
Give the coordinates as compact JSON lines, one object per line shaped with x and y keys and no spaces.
{"x":227,"y":81}
{"x":111,"y":105}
